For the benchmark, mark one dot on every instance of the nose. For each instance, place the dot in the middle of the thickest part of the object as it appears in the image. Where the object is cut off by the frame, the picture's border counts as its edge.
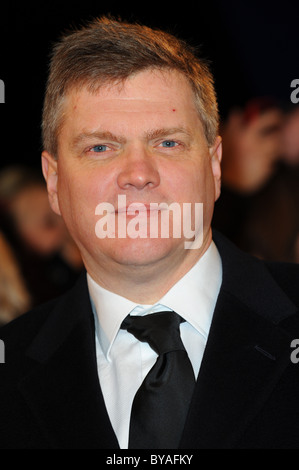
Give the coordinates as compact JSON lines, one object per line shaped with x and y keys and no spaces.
{"x":138,"y":170}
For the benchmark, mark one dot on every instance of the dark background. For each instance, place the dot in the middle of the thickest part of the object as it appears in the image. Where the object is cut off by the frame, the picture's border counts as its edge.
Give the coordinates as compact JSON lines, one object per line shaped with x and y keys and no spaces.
{"x":253,"y":47}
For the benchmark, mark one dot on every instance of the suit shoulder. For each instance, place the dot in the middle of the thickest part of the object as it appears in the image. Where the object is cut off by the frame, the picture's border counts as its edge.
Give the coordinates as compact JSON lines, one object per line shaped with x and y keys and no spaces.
{"x":287,"y":277}
{"x":19,"y":332}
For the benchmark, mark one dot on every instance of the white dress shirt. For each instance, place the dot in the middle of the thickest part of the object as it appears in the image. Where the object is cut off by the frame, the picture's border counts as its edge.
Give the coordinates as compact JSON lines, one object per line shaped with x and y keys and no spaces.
{"x":123,"y":361}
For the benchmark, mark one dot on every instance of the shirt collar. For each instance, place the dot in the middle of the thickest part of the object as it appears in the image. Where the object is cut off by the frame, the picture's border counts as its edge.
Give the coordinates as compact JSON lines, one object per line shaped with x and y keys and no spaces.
{"x":193,"y":297}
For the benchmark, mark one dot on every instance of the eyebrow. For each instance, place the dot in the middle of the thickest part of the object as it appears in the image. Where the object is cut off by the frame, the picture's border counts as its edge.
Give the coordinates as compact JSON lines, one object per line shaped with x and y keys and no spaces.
{"x":101,"y":135}
{"x":109,"y":136}
{"x":158,"y":133}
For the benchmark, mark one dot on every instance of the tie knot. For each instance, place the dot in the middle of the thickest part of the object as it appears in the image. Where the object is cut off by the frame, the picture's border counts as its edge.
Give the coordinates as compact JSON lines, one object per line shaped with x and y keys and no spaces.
{"x":160,"y":330}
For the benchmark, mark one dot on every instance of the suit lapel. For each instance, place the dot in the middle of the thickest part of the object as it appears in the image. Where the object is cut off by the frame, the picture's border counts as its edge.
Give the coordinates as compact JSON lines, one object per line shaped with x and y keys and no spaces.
{"x":63,"y":390}
{"x":246,"y":353}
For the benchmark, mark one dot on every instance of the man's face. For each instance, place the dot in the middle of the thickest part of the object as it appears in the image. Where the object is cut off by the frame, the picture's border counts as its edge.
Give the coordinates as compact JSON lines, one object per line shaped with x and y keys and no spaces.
{"x":39,"y":228}
{"x":142,"y":140}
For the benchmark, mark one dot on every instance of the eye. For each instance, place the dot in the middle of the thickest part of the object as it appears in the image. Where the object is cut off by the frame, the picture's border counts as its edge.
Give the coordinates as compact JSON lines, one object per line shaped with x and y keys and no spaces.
{"x":99,"y":148}
{"x":168,"y":143}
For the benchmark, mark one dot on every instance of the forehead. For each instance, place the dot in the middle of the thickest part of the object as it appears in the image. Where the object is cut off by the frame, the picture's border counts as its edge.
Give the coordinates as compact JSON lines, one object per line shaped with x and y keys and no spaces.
{"x":165,"y":94}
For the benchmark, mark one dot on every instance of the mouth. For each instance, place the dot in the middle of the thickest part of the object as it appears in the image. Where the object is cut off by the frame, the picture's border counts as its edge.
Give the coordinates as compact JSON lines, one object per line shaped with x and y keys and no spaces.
{"x":139,"y":208}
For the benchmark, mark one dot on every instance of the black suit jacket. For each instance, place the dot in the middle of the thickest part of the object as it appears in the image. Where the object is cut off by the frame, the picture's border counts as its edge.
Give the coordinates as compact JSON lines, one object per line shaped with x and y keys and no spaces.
{"x":247,"y":392}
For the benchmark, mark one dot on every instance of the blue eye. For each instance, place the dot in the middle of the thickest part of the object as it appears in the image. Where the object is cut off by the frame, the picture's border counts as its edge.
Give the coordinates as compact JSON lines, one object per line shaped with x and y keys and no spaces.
{"x":99,"y":148}
{"x":169,"y":143}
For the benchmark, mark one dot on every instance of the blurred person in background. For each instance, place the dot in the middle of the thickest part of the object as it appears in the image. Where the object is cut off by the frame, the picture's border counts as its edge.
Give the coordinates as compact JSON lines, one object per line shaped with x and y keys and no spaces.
{"x":49,"y":259}
{"x":290,"y":138}
{"x":258,"y":205}
{"x":252,"y":145}
{"x":14,"y":297}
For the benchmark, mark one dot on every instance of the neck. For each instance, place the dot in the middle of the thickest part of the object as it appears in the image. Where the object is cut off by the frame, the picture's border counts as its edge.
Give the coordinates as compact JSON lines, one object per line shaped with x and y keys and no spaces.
{"x":146,"y":284}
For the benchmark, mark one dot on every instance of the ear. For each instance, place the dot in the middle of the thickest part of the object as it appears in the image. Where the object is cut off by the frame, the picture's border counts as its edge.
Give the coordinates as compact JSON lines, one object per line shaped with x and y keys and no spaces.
{"x":216,"y":156}
{"x":49,"y":168}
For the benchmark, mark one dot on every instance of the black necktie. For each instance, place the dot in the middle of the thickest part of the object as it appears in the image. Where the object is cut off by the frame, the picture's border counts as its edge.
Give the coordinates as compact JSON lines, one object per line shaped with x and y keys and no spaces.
{"x":161,"y":403}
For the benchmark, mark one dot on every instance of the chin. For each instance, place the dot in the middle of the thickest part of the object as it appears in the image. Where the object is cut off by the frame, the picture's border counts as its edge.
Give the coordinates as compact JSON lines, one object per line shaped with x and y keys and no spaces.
{"x":141,"y":252}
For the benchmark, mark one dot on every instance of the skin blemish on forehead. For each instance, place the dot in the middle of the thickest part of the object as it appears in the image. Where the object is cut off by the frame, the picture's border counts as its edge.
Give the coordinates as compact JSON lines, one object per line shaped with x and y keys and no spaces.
{"x":174,"y":110}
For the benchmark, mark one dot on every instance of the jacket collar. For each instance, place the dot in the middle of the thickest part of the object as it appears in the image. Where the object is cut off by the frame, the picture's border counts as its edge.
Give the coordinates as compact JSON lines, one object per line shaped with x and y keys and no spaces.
{"x":62,"y":389}
{"x":249,"y":280}
{"x":246,"y":353}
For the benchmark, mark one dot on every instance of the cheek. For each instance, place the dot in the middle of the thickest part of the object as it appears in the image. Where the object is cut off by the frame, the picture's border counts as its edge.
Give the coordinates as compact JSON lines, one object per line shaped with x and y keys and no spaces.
{"x":190,"y":183}
{"x":79,"y":193}
{"x":76,"y":188}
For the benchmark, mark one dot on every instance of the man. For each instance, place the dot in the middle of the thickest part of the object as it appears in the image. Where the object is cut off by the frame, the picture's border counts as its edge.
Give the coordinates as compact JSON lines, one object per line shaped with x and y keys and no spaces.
{"x":130,"y":124}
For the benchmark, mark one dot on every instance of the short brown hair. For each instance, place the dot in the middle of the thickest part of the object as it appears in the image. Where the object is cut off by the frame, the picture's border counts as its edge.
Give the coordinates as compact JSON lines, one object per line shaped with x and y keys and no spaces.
{"x":109,"y":50}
